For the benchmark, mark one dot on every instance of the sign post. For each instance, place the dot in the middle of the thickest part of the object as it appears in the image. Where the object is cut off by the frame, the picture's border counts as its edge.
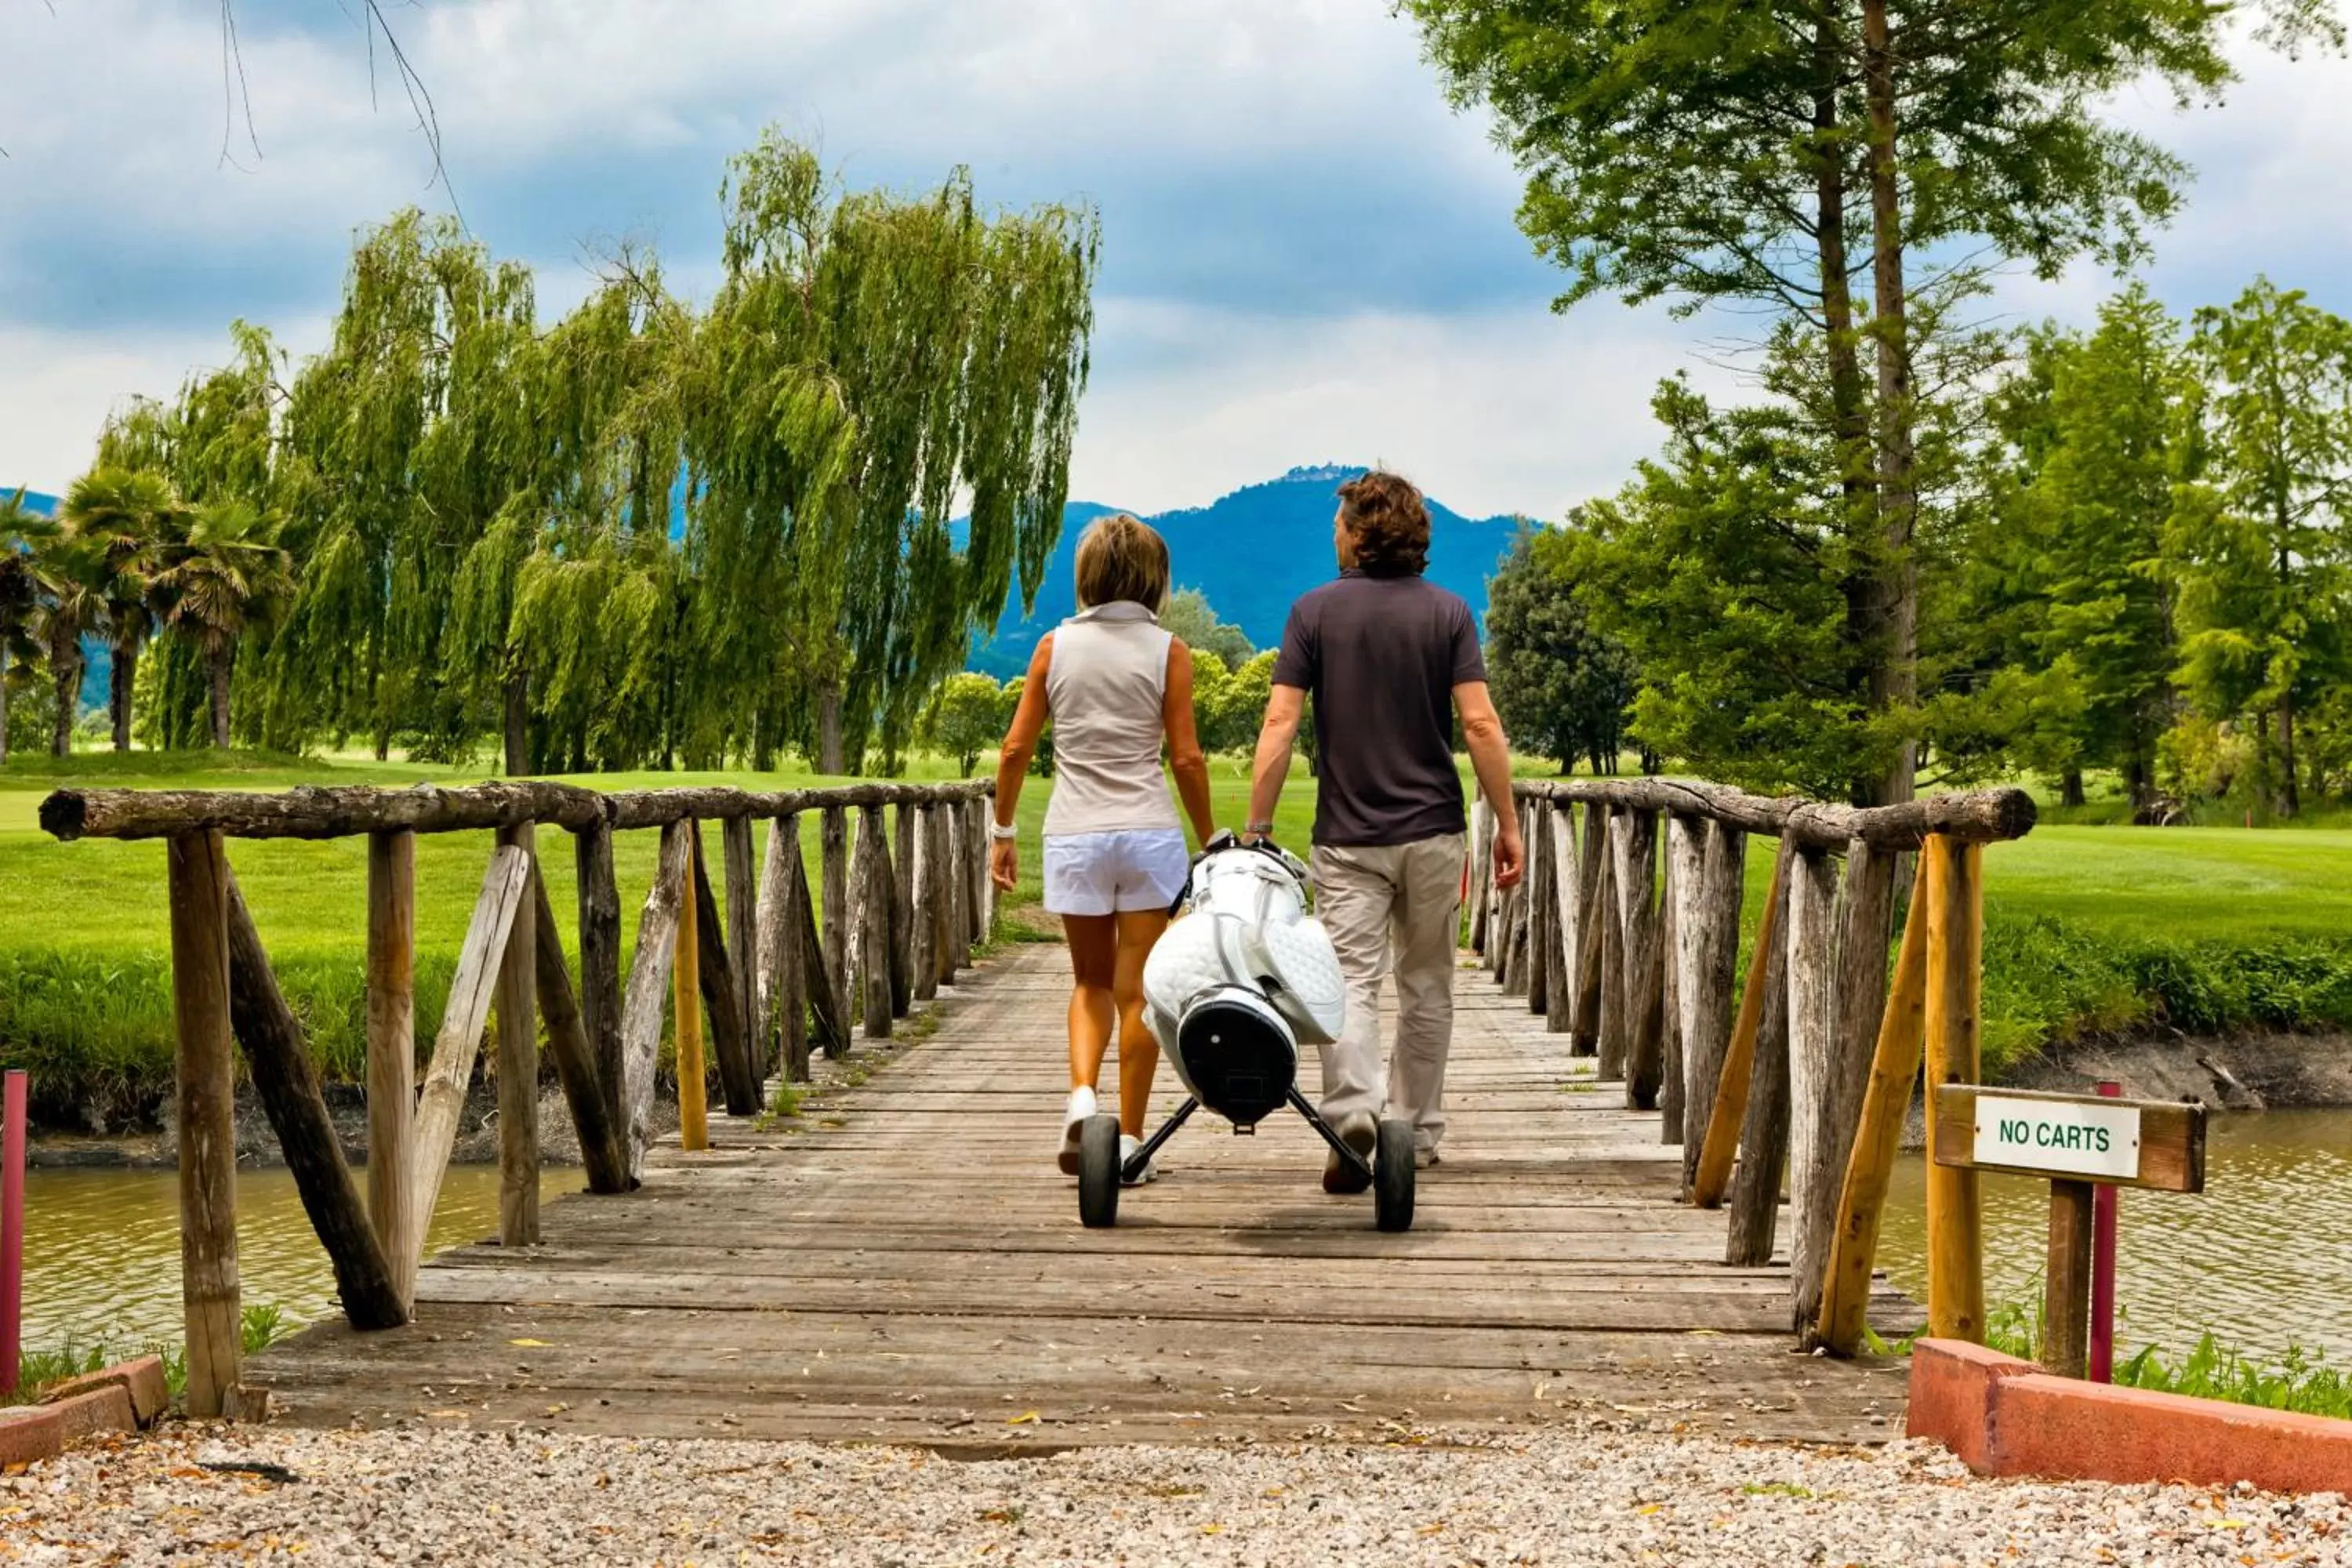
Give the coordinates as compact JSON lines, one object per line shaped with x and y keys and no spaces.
{"x":2079,"y":1142}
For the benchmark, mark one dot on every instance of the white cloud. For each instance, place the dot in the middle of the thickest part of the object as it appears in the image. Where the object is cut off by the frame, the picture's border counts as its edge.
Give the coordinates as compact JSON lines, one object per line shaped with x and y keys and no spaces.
{"x":55,"y":389}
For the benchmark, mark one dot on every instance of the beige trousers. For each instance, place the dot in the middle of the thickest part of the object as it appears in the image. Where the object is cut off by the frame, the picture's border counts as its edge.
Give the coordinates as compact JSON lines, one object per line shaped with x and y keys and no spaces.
{"x":1394,"y":909}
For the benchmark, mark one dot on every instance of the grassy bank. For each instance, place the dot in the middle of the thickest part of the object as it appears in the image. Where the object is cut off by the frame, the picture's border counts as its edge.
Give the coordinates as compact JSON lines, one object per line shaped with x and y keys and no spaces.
{"x":2303,"y":1381}
{"x":2089,"y":929}
{"x":37,"y":1370}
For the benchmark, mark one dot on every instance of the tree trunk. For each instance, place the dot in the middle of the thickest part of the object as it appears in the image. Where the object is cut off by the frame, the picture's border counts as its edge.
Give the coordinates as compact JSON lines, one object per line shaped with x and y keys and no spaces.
{"x":2290,"y":798}
{"x":2070,"y":788}
{"x":1893,"y":621}
{"x":829,"y":728}
{"x":1849,"y":403}
{"x":118,"y":679}
{"x":4,"y":703}
{"x":65,"y":666}
{"x":217,"y":668}
{"x":518,"y":716}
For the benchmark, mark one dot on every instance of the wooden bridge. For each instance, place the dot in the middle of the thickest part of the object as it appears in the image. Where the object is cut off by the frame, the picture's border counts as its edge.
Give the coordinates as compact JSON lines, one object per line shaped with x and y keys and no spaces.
{"x":899,"y":1260}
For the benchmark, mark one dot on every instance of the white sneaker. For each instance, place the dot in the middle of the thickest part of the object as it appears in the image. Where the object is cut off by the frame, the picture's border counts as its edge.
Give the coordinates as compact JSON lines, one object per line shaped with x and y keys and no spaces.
{"x":1081,"y":1107}
{"x":1127,"y":1145}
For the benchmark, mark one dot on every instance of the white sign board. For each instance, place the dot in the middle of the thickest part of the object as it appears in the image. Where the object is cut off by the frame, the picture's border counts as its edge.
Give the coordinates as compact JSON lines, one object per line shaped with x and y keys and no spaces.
{"x":2078,"y":1138}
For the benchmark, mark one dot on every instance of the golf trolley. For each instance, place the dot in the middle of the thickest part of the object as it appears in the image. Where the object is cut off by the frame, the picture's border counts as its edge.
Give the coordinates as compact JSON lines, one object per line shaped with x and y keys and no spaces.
{"x":1231,"y":992}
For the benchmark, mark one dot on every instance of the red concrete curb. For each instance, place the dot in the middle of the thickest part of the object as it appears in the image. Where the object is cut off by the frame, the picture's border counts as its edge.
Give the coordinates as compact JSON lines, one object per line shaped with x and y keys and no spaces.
{"x":2007,"y":1417}
{"x":93,"y":1411}
{"x":140,"y":1380}
{"x":30,"y":1432}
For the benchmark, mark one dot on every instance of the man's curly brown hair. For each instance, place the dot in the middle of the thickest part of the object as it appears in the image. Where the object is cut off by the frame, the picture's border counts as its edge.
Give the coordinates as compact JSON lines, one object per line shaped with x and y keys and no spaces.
{"x":1389,"y":523}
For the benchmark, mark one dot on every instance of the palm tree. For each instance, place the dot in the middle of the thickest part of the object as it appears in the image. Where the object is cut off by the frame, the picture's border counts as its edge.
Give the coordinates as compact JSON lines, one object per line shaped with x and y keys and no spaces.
{"x":22,"y":534}
{"x":125,"y":518}
{"x":227,"y":576}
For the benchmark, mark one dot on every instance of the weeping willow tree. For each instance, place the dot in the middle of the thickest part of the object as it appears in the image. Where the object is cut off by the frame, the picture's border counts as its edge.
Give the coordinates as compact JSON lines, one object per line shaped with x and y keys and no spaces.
{"x":869,"y":359}
{"x":405,"y":443}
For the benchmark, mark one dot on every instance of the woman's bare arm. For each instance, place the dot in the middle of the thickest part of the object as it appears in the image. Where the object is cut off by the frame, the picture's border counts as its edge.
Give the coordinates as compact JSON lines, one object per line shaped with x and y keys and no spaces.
{"x":1185,"y":758}
{"x":1012,"y":761}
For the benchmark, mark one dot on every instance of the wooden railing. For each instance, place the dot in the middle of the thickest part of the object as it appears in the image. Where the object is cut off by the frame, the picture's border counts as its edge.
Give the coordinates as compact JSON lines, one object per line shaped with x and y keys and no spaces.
{"x":770,"y":977}
{"x":1812,"y":1065}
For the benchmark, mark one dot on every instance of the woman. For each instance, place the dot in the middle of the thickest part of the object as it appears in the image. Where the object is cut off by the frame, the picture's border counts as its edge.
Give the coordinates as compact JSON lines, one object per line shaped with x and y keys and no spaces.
{"x":1116,"y":686}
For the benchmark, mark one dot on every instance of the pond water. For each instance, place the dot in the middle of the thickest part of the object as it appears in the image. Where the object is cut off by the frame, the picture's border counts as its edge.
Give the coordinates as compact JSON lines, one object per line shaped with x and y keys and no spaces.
{"x":102,"y":1247}
{"x":2263,"y":1257}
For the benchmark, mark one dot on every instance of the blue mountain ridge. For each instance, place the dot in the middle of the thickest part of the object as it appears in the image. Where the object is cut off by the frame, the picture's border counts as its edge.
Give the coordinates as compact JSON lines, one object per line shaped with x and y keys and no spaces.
{"x":1251,"y":553}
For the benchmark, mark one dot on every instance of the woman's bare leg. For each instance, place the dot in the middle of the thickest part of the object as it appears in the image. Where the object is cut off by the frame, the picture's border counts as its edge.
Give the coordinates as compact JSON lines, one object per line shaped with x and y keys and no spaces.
{"x":1139,"y":1053}
{"x":1094,"y":970}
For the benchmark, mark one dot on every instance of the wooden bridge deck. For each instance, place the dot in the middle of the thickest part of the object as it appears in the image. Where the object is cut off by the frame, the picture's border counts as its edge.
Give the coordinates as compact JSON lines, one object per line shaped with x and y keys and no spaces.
{"x":907,"y":1265}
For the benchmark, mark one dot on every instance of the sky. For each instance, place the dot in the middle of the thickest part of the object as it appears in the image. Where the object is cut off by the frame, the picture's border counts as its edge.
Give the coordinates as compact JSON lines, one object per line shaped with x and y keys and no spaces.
{"x":1308,"y":256}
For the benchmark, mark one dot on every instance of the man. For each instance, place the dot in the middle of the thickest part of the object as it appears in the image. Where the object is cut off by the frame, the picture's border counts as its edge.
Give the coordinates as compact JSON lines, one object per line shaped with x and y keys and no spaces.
{"x":1389,"y":659}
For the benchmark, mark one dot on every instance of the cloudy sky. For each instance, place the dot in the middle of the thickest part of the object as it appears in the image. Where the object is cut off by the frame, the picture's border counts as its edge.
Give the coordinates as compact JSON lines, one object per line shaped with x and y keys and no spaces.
{"x":1307,"y":256}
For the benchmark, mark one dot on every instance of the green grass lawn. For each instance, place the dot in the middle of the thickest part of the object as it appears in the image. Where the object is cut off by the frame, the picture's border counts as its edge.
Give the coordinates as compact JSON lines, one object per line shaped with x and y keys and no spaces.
{"x":2089,"y":928}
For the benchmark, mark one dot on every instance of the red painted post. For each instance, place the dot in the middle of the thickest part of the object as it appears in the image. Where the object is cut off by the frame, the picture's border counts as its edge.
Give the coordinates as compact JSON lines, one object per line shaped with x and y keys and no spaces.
{"x":2103,"y":1271}
{"x":12,"y":1229}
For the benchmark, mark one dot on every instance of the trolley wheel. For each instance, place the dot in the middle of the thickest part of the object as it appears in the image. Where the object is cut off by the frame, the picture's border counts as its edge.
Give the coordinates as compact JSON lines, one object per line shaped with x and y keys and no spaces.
{"x":1098,"y":1172}
{"x":1392,"y":1177}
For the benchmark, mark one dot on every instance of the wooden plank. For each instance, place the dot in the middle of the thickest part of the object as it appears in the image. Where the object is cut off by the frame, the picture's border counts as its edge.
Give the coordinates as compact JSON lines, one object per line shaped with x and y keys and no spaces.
{"x":603,"y":1147}
{"x":902,"y":912}
{"x":1756,"y":1186}
{"x":1591,"y":924}
{"x":2066,"y":1291}
{"x":731,"y":1045}
{"x":391,"y":1055}
{"x":742,"y":944}
{"x":2171,"y":1136}
{"x":1862,"y":1201}
{"x":780,"y":1009}
{"x":1955,"y":984}
{"x":1703,"y":994}
{"x":833,"y":851}
{"x":686,"y":1004}
{"x":287,"y":1083}
{"x":875,"y":886}
{"x":1728,"y":1109}
{"x":517,"y":1008}
{"x":1816,"y":1163}
{"x":649,"y":985}
{"x":600,"y":965}
{"x":206,"y":1091}
{"x":441,"y":1101}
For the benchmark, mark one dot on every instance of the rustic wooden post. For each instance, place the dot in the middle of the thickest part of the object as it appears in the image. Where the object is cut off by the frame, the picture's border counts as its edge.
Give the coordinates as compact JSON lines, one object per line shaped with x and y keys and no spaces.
{"x":518,"y":1004}
{"x":649,"y":978}
{"x":902,"y":910}
{"x":599,"y":963}
{"x":1518,"y":914}
{"x":1755,"y":1201}
{"x":1711,"y":961}
{"x":925,"y":946}
{"x":441,"y":1101}
{"x":1482,"y":870}
{"x":1862,"y":1202}
{"x":794,"y":956}
{"x":604,"y":1152}
{"x":1610,"y":1015}
{"x":1644,"y":965}
{"x":1559,"y":973}
{"x":1542,"y":917}
{"x":1686,"y":840}
{"x":686,"y":1005}
{"x":391,"y":1055}
{"x":1592,"y":932}
{"x":777,"y":932}
{"x":723,"y":1025}
{"x":206,"y":1087}
{"x":1727,"y":1110}
{"x":1670,"y":1017}
{"x":1955,"y":980}
{"x":942,"y":902}
{"x":876,"y":892}
{"x":975,"y":824}
{"x":833,"y":850}
{"x":742,"y":942}
{"x":1816,"y":1164}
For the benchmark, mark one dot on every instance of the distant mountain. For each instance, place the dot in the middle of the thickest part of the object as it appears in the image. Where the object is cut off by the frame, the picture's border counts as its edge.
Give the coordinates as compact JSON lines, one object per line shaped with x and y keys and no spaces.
{"x":45,"y":505}
{"x":1251,"y":555}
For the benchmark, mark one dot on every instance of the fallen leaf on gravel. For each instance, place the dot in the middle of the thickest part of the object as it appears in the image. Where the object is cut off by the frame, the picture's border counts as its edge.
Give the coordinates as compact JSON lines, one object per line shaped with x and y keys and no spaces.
{"x":1023,"y":1419}
{"x":530,"y":1344}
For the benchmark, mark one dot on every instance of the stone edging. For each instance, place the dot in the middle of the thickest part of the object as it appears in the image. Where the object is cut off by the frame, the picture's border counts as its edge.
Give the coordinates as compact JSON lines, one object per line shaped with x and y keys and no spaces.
{"x":124,"y":1398}
{"x":2004,"y":1416}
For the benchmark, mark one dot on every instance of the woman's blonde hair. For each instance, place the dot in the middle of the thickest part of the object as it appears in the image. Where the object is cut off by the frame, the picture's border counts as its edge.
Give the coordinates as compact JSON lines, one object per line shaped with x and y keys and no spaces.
{"x":1121,"y":557}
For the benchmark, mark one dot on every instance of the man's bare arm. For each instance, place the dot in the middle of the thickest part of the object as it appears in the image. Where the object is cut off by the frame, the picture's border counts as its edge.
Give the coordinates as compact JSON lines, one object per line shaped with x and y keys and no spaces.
{"x":1275,"y":738}
{"x":1490,"y":759}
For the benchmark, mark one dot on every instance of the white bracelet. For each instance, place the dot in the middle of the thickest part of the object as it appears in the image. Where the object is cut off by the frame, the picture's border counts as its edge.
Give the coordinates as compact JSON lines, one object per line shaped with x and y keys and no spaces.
{"x":1003,"y":833}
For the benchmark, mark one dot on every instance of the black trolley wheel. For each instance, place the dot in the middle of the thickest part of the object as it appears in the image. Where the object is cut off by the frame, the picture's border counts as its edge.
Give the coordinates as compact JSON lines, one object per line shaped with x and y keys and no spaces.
{"x":1392,"y":1177}
{"x":1098,"y":1172}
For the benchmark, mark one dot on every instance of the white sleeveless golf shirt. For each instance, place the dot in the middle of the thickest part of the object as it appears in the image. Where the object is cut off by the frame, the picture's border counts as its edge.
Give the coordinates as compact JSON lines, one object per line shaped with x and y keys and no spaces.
{"x":1106,"y":686}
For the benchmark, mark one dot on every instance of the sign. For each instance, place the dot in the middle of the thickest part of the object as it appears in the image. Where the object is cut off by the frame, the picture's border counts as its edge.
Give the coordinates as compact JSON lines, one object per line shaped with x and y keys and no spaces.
{"x":2094,"y":1138}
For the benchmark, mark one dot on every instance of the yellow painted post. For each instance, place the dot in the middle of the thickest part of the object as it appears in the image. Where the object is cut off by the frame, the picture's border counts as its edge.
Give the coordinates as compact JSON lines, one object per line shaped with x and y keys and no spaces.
{"x":1954,"y":900}
{"x":686,"y":1001}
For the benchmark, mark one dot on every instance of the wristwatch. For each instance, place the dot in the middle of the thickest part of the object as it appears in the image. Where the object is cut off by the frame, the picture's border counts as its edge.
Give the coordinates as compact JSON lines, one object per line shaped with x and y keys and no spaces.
{"x":1258,"y":830}
{"x":1002,"y":832}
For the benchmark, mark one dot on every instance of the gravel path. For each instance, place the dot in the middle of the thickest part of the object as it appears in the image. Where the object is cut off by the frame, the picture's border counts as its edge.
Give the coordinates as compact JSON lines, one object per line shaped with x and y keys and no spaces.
{"x":1563,"y":1497}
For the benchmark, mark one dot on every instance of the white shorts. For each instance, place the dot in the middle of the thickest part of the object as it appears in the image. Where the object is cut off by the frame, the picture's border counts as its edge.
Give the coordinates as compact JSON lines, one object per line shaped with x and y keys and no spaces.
{"x":1115,"y":873}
